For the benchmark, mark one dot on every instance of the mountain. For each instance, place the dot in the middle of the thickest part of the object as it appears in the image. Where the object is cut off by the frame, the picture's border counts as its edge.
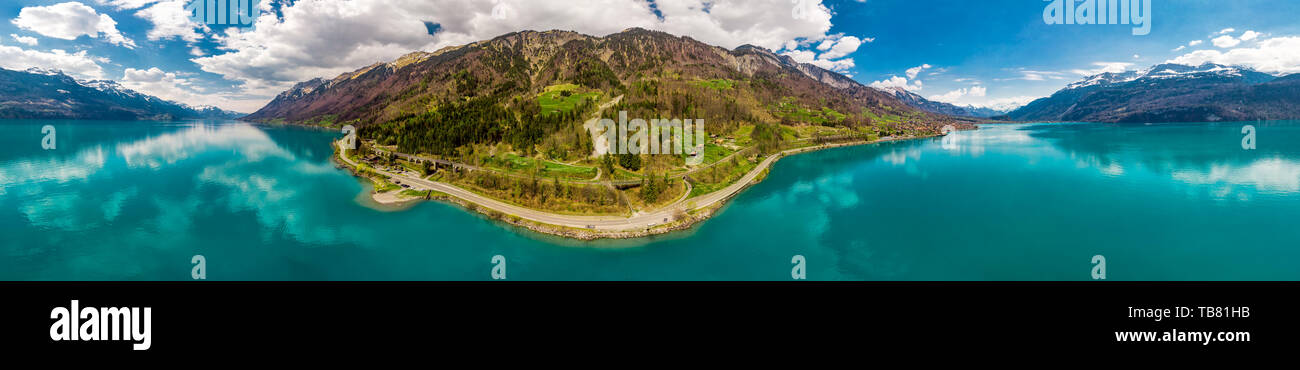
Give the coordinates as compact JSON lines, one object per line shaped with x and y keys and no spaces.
{"x":919,"y":102}
{"x":1170,"y":93}
{"x":50,"y":94}
{"x":502,"y":90}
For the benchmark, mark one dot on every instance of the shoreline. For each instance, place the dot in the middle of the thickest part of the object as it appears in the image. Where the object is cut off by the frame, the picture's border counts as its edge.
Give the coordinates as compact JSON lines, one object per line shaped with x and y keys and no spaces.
{"x":693,"y":217}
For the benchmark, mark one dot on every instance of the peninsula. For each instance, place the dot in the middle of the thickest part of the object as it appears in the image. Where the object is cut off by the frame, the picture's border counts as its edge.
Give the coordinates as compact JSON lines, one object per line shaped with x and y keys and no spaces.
{"x":512,"y":127}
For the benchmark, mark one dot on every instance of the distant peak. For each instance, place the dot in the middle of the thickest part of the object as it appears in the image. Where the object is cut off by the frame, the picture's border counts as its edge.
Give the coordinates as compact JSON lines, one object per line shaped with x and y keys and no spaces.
{"x":1165,"y":71}
{"x":44,"y":71}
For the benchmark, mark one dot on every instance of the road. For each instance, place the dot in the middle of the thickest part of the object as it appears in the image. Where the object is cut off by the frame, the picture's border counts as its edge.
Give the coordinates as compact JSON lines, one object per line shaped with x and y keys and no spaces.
{"x":636,"y":222}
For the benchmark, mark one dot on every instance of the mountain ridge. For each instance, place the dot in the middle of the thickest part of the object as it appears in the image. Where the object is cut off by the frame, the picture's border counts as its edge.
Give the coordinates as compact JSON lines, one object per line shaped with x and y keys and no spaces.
{"x":920,"y":102}
{"x":39,"y":93}
{"x":1170,"y":93}
{"x":657,"y":72}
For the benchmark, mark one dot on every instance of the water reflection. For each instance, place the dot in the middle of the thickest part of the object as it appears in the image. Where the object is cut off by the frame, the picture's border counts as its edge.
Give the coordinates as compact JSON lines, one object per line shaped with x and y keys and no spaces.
{"x":1007,"y":202}
{"x":1200,"y":154}
{"x":250,"y":142}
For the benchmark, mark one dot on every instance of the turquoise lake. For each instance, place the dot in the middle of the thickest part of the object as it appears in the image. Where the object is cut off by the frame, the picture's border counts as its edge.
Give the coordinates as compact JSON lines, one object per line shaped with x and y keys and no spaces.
{"x":135,"y":200}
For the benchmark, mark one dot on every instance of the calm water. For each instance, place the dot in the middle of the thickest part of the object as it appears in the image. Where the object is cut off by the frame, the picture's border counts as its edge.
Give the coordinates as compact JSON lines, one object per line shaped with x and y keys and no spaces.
{"x":134,"y":201}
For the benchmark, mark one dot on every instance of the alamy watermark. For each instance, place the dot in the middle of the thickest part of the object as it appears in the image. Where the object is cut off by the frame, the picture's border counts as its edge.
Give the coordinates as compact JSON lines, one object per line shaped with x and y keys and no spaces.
{"x":349,"y":137}
{"x":1248,"y":140}
{"x":76,"y":323}
{"x":804,"y":9}
{"x":1114,"y":12}
{"x":800,"y":269}
{"x":48,"y":142}
{"x":1098,"y":267}
{"x":223,"y":12}
{"x":500,"y":10}
{"x":658,"y":136}
{"x":498,"y":267}
{"x":200,"y":269}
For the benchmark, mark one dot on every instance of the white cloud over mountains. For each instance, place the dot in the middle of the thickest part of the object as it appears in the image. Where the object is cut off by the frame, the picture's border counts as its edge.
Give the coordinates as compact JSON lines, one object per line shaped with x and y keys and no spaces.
{"x":977,"y":96}
{"x":1225,"y":41}
{"x":903,"y":83}
{"x":898,"y":82}
{"x":170,"y":20}
{"x":323,"y":38}
{"x":70,"y":20}
{"x":912,"y":72}
{"x":318,"y":38}
{"x":955,"y":96}
{"x":1104,"y":67}
{"x":182,"y":88}
{"x":1278,"y":55}
{"x":79,"y":65}
{"x":835,"y":49}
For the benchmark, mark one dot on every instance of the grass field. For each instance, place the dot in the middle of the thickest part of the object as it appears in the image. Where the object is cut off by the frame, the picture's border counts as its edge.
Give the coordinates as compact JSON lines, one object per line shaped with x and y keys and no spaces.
{"x":742,"y":135}
{"x":563,"y":98}
{"x":714,"y":153}
{"x":384,"y":186}
{"x":564,"y":171}
{"x":513,"y":163}
{"x":622,"y":174}
{"x":718,"y":177}
{"x":788,"y":108}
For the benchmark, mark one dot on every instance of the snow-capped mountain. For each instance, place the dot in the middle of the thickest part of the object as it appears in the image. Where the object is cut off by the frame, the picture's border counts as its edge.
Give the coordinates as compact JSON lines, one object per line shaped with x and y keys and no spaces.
{"x":1170,"y":93}
{"x":48,"y":93}
{"x":919,"y":102}
{"x":1173,"y":71}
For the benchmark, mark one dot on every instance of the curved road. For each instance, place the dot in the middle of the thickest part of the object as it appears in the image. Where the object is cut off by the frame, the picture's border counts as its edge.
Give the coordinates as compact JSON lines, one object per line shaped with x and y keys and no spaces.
{"x":601,"y":223}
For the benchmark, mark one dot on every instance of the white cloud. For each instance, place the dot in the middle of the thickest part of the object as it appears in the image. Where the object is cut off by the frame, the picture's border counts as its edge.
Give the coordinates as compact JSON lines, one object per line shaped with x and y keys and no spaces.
{"x":801,"y":56}
{"x":841,"y":65}
{"x":834,"y":51}
{"x":78,"y":65}
{"x":156,"y":82}
{"x":897,"y":82}
{"x":70,"y":20}
{"x":314,"y":38}
{"x":1104,"y":67}
{"x":1005,"y":104}
{"x":1195,"y":42}
{"x":955,"y":96}
{"x":170,"y":20}
{"x":977,"y":96}
{"x":176,"y":87}
{"x":26,"y":40}
{"x":844,"y":46}
{"x":1279,"y":55}
{"x":1180,"y":48}
{"x":1249,"y":35}
{"x":912,"y":72}
{"x":1225,"y":31}
{"x":1225,"y":41}
{"x":1034,"y":75}
{"x":126,"y":4}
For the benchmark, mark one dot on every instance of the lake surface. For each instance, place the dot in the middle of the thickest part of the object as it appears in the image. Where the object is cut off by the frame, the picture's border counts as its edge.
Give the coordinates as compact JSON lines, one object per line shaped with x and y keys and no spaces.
{"x":135,"y":200}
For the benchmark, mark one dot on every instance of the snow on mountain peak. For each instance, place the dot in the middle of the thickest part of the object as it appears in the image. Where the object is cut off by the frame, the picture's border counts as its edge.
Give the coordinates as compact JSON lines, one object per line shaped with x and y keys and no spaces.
{"x":44,"y":71}
{"x":1161,"y":71}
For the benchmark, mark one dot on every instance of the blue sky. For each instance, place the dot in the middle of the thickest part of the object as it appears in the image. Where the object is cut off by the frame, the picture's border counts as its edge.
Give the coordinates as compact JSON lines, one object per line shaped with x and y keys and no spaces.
{"x":996,"y":42}
{"x":991,"y":52}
